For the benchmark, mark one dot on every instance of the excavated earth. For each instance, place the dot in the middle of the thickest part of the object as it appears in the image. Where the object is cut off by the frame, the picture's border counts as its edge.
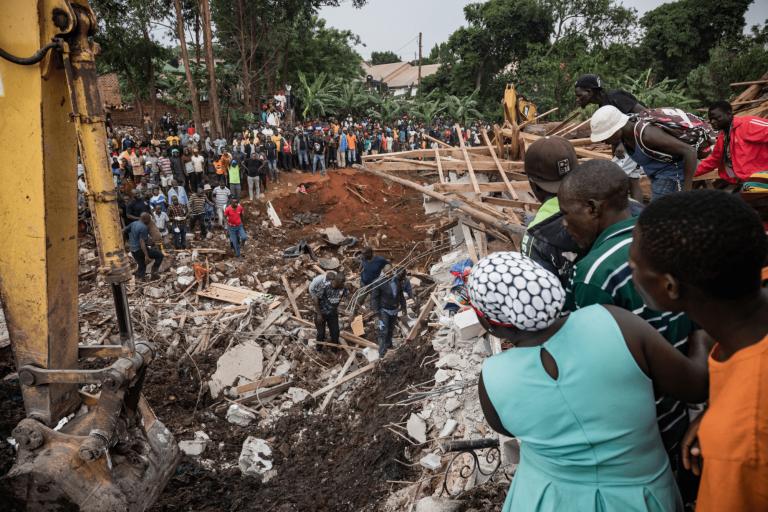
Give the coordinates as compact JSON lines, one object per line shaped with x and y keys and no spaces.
{"x":338,"y":460}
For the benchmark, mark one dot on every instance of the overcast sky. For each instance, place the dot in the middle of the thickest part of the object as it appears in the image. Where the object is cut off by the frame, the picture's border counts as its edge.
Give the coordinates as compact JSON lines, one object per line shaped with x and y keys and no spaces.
{"x":395,"y":24}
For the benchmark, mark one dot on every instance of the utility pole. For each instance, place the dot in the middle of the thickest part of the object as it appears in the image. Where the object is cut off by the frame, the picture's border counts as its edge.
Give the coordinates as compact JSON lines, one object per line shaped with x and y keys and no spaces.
{"x":419,"y":79}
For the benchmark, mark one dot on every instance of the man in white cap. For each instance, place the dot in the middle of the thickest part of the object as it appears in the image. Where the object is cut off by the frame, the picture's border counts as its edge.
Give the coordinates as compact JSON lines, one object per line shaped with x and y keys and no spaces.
{"x":672,"y":174}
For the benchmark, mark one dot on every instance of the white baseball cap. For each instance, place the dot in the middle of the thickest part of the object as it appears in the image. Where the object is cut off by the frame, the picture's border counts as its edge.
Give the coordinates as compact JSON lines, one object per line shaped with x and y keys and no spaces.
{"x":605,"y":122}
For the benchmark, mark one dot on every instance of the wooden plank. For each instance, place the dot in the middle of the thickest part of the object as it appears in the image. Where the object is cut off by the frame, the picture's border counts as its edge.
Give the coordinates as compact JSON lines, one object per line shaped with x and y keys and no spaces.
{"x":753,"y":82}
{"x":480,"y":243}
{"x":357,"y":373}
{"x":564,"y":122}
{"x":344,"y":369}
{"x":470,"y":243}
{"x":439,"y":166}
{"x":291,"y":298}
{"x":423,"y":314}
{"x":573,"y":128}
{"x":450,"y":151}
{"x":497,"y":186}
{"x":483,"y":166}
{"x":209,"y":312}
{"x":344,"y":334}
{"x":470,"y":169}
{"x":510,"y":203}
{"x":504,"y":177}
{"x":586,"y":153}
{"x":439,"y":142}
{"x":263,"y":395}
{"x":531,"y":121}
{"x":357,"y":326}
{"x":253,"y":386}
{"x":232,"y":294}
{"x":272,"y":360}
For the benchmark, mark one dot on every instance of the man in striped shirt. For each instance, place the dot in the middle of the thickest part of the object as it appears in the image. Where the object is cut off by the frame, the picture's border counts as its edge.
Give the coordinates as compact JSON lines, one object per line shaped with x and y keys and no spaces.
{"x":594,"y":199}
{"x":197,"y":212}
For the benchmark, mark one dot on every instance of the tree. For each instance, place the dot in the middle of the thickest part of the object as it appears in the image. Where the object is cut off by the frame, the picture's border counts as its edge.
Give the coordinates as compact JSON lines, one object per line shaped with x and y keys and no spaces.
{"x":740,"y":60}
{"x":318,"y":96}
{"x":386,"y":57}
{"x":196,"y":116}
{"x":679,"y":35}
{"x":427,"y":108}
{"x":210,"y":64}
{"x":463,"y":110}
{"x":498,"y":35}
{"x":128,"y":48}
{"x":600,"y":22}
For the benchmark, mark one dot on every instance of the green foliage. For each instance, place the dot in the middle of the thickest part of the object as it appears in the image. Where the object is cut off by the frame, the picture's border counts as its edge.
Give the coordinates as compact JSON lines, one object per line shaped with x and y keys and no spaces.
{"x":498,"y":34}
{"x":739,"y":61}
{"x":387,"y":57}
{"x":463,"y":110}
{"x":599,"y":22}
{"x":318,"y":96}
{"x":679,"y":35}
{"x":666,"y":93}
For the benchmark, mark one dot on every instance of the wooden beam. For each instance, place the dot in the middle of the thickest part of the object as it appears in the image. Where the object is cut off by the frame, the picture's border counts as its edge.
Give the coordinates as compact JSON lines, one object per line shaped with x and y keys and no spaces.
{"x":496,"y":186}
{"x":563,"y":123}
{"x":514,"y":230}
{"x":289,"y":293}
{"x":278,"y":312}
{"x":459,"y":166}
{"x":439,"y":166}
{"x":573,"y":128}
{"x":531,"y":121}
{"x":423,"y":314}
{"x":439,"y":142}
{"x":472,"y":177}
{"x":504,"y":177}
{"x":510,"y":203}
{"x":253,"y":386}
{"x":470,"y":243}
{"x":263,"y":395}
{"x":339,"y":382}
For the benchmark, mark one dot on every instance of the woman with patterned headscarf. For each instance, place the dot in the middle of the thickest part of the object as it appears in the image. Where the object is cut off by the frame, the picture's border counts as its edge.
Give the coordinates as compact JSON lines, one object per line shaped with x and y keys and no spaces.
{"x":578,"y":392}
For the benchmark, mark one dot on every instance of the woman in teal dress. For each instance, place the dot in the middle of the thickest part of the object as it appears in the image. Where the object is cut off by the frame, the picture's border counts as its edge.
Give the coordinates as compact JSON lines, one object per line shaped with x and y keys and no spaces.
{"x":578,"y":393}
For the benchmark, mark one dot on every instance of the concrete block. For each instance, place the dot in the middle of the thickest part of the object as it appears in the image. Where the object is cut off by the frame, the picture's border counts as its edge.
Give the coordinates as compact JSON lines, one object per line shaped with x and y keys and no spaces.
{"x":417,"y":428}
{"x":468,"y":325}
{"x":432,"y":504}
{"x":451,"y":405}
{"x":255,"y":457}
{"x":431,"y":461}
{"x":451,"y":360}
{"x":244,"y":360}
{"x":185,"y":280}
{"x":371,"y":354}
{"x":239,"y":416}
{"x":510,"y":450}
{"x":297,"y":395}
{"x":155,"y":293}
{"x":449,"y":427}
{"x":197,"y":446}
{"x":183,"y":270}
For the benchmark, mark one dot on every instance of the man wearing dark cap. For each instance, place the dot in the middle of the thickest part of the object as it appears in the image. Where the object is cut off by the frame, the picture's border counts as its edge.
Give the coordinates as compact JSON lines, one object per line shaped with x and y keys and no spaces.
{"x":546,"y":241}
{"x":589,"y":89}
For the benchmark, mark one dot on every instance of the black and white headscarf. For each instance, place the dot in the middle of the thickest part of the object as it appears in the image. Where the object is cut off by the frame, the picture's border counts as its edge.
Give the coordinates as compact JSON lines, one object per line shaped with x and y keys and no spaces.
{"x":512,"y":290}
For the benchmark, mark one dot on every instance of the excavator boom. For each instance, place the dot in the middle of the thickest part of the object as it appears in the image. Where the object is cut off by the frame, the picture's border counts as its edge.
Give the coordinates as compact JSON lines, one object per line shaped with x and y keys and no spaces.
{"x":113,"y":453}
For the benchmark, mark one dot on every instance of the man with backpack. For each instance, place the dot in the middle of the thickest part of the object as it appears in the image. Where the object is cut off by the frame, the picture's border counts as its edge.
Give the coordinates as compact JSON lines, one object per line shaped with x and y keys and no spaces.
{"x":663,"y":142}
{"x":741,"y":148}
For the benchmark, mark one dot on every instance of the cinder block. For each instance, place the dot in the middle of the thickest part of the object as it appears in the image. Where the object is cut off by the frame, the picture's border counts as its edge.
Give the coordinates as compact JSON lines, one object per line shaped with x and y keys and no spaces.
{"x":468,"y":325}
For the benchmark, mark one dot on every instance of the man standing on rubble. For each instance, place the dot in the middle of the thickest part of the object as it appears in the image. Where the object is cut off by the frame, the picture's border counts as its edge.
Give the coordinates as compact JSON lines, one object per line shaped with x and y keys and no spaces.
{"x":326,"y":292}
{"x":141,"y":247}
{"x":387,"y":299}
{"x":237,"y":235}
{"x":370,"y":266}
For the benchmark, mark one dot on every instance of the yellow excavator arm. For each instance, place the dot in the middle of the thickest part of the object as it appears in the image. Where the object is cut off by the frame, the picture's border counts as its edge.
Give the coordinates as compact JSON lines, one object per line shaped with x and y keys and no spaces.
{"x":113,"y":454}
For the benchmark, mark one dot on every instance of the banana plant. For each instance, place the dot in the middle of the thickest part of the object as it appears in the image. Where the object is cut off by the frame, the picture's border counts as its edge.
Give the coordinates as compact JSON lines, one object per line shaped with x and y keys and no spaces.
{"x":463,"y":109}
{"x":319,"y":96}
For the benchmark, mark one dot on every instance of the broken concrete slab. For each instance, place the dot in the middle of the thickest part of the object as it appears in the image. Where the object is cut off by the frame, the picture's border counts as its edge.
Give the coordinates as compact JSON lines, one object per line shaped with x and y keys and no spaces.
{"x":185,"y":280}
{"x":240,"y":416}
{"x":451,"y":360}
{"x":449,"y":427}
{"x":155,"y":293}
{"x":242,"y":360}
{"x":417,"y":428}
{"x":371,"y":354}
{"x":197,"y":446}
{"x":468,"y":325}
{"x":432,"y":462}
{"x":255,"y":457}
{"x":451,"y":405}
{"x":297,"y":395}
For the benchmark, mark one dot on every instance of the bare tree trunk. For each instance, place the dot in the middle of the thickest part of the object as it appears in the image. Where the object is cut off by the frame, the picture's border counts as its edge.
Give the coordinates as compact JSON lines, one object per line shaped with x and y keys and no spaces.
{"x":213,"y":96}
{"x":197,"y":39}
{"x":151,"y":80}
{"x":244,"y":56}
{"x":196,"y":117}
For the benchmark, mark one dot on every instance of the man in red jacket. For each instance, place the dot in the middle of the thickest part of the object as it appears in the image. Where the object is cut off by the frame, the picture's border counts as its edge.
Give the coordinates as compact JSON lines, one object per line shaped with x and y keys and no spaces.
{"x":741,"y":148}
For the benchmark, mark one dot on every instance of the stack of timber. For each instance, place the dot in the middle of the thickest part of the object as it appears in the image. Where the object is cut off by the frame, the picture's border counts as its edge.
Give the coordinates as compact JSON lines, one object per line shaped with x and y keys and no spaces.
{"x":491,"y":193}
{"x":753,"y":101}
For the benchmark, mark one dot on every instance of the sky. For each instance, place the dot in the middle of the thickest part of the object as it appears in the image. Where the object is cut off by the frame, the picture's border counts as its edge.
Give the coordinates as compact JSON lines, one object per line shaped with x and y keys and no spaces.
{"x":395,"y":24}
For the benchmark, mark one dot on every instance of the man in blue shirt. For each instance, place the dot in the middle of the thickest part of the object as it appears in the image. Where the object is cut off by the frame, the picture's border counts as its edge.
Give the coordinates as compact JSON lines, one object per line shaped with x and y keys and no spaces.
{"x":139,"y":245}
{"x":370,"y":266}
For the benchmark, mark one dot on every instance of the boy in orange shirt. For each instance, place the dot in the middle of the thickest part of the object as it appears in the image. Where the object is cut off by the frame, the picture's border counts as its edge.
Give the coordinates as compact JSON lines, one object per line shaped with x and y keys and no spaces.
{"x":702,"y":252}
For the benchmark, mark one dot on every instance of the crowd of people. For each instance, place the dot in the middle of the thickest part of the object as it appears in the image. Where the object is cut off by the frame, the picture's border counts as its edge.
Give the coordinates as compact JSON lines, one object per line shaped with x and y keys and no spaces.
{"x":641,"y":330}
